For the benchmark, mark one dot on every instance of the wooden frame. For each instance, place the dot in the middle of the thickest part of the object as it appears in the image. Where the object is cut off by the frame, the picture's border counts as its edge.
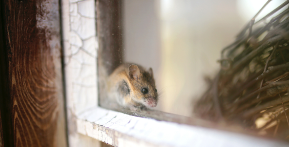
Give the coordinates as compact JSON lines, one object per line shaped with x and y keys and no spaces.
{"x":123,"y":130}
{"x":31,"y":95}
{"x":86,"y":117}
{"x":80,"y":45}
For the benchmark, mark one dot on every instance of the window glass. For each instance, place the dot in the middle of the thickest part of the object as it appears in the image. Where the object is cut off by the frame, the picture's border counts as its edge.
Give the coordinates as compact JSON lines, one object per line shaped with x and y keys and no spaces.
{"x":182,"y":41}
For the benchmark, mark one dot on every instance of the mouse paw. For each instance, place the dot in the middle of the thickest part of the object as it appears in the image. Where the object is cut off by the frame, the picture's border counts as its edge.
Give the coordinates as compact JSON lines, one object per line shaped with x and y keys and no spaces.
{"x":137,"y":108}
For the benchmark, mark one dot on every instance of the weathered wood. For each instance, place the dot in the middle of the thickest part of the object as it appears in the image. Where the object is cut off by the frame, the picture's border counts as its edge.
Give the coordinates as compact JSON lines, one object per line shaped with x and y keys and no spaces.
{"x":124,"y":130}
{"x":80,"y":50}
{"x":34,"y":104}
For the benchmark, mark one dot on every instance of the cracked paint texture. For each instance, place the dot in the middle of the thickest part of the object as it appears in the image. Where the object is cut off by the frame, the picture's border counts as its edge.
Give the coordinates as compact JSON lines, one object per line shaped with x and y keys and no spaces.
{"x":80,"y":55}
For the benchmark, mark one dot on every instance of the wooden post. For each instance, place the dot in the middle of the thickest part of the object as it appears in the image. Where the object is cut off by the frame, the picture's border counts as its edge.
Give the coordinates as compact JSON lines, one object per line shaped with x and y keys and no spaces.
{"x":32,"y":103}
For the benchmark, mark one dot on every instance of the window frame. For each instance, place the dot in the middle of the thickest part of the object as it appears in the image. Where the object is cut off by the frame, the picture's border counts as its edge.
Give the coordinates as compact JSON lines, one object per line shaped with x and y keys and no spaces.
{"x":118,"y":127}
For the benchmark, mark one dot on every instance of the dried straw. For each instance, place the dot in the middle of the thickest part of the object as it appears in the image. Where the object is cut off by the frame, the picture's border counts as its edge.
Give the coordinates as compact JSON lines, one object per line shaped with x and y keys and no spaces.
{"x":252,"y":86}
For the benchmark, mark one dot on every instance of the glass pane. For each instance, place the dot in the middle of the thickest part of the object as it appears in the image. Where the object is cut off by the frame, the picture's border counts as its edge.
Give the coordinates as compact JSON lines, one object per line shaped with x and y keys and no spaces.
{"x":182,"y":41}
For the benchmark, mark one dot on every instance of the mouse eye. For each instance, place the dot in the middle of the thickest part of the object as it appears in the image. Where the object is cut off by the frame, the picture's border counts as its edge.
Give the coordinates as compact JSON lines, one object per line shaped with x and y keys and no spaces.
{"x":156,"y":90}
{"x":144,"y":91}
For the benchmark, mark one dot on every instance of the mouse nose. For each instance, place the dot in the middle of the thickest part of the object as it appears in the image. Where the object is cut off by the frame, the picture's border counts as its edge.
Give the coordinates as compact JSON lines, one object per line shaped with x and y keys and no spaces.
{"x":151,"y":102}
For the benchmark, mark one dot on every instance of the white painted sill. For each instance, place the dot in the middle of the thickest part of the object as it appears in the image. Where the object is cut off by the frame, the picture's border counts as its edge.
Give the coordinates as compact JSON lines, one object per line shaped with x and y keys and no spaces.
{"x":123,"y":130}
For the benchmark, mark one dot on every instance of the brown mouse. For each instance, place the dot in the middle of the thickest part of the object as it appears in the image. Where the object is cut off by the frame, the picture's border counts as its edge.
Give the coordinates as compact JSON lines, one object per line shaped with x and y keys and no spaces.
{"x":132,"y":87}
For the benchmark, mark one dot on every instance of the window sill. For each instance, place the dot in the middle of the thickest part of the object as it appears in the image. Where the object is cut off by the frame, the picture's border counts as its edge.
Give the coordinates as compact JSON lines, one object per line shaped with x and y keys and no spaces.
{"x":119,"y":129}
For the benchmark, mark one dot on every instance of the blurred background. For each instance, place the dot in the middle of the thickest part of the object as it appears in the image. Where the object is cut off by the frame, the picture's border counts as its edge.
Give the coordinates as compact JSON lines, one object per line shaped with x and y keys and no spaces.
{"x":181,"y":40}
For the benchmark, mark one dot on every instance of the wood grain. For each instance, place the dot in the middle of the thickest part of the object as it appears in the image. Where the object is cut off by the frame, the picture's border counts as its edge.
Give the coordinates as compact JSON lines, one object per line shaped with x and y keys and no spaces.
{"x":32,"y":44}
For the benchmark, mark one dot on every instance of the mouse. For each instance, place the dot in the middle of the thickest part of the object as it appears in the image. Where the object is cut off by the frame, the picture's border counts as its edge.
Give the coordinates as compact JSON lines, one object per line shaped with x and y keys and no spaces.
{"x":133,"y":87}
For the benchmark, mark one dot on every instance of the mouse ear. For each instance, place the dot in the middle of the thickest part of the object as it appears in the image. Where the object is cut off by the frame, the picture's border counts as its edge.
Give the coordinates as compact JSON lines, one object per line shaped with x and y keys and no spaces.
{"x":134,"y":72}
{"x":151,"y":72}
